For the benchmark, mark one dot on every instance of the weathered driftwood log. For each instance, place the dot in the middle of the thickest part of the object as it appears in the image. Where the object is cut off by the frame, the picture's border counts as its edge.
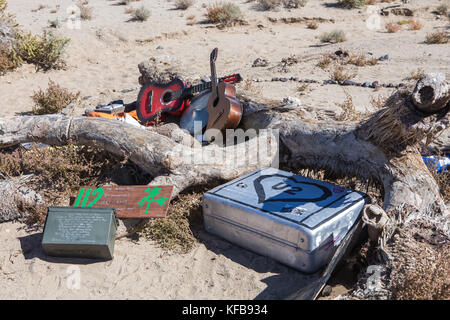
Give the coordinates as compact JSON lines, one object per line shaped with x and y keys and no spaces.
{"x":169,"y":162}
{"x":15,"y":194}
{"x":383,"y":148}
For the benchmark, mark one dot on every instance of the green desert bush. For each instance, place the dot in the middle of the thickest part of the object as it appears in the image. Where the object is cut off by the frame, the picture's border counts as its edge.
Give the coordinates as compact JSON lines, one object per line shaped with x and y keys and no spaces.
{"x":224,"y":13}
{"x":44,"y":51}
{"x":333,"y":36}
{"x":141,"y":14}
{"x":53,"y":100}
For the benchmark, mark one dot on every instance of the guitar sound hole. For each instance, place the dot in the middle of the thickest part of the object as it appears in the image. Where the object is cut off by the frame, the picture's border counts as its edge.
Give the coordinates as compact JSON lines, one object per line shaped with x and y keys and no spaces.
{"x":216,"y":101}
{"x":167,"y":97}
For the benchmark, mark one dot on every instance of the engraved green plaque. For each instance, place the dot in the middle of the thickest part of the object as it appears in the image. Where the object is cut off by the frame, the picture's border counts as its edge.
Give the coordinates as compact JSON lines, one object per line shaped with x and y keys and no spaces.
{"x":80,"y":232}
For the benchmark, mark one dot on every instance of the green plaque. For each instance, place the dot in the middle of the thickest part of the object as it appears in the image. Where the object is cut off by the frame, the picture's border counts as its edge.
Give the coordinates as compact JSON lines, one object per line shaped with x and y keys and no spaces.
{"x":80,"y":232}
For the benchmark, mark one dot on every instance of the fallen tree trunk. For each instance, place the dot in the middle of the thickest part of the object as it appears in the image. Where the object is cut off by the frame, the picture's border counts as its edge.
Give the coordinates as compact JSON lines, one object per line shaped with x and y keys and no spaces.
{"x":169,"y":162}
{"x":384,"y":148}
{"x":15,"y":195}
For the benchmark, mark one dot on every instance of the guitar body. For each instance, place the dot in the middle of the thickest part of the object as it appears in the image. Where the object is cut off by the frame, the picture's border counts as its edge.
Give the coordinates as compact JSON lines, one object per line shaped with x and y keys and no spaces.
{"x":195,"y":117}
{"x":225,"y":111}
{"x":155,"y":98}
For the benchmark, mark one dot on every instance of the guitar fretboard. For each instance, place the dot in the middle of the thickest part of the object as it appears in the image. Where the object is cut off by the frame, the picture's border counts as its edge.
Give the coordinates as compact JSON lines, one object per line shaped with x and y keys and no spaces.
{"x":203,"y":86}
{"x":191,"y":90}
{"x":198,"y":88}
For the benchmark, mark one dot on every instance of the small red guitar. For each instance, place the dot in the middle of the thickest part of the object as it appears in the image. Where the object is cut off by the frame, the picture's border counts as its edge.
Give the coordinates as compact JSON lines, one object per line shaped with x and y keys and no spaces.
{"x":156,"y":98}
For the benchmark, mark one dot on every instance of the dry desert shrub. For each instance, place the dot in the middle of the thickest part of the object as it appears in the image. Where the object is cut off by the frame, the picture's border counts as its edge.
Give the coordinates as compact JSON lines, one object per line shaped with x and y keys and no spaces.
{"x":442,"y":9}
{"x":392,"y":27}
{"x":303,"y":87}
{"x":183,"y":4}
{"x":443,"y":181}
{"x":312,"y":25}
{"x":415,"y":25}
{"x":360,"y":60}
{"x":53,"y":100}
{"x":378,"y":102}
{"x":40,"y":7}
{"x":334,"y":36}
{"x":340,"y":74}
{"x":85,"y":12}
{"x":324,"y":62}
{"x":416,"y":74}
{"x":175,"y":231}
{"x":224,"y":13}
{"x":295,"y":3}
{"x":249,"y":85}
{"x":8,"y":62}
{"x":141,"y":14}
{"x":54,"y":23}
{"x":420,"y":264}
{"x":3,"y":5}
{"x":439,"y":37}
{"x":191,"y":20}
{"x":265,"y":5}
{"x":349,"y":112}
{"x":61,"y":171}
{"x":350,"y":4}
{"x":427,"y":279}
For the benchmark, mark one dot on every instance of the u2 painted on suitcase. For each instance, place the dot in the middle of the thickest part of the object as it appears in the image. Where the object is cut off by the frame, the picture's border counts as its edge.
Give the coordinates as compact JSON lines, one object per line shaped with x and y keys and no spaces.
{"x":293,"y":219}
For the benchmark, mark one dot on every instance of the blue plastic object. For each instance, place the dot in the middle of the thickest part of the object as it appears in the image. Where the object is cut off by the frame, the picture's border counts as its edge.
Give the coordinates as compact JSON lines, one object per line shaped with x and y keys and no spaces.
{"x":440,"y":164}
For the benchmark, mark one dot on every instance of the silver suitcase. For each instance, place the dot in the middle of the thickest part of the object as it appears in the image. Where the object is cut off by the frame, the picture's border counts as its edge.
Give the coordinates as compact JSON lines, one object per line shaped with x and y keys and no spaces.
{"x":295,"y":220}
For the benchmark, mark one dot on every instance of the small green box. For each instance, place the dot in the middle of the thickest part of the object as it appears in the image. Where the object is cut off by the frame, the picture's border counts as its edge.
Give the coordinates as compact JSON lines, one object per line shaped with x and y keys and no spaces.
{"x":80,"y":232}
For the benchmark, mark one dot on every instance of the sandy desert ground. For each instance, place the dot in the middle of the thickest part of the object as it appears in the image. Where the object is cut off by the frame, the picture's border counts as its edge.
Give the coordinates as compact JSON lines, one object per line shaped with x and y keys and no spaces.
{"x":102,"y":59}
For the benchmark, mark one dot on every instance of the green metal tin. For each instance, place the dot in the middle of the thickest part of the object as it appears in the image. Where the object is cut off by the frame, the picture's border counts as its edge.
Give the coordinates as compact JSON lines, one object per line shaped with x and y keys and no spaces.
{"x":80,"y":232}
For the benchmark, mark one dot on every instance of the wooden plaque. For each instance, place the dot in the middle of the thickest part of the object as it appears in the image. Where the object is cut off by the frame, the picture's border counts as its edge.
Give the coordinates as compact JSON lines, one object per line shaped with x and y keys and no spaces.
{"x":129,"y":201}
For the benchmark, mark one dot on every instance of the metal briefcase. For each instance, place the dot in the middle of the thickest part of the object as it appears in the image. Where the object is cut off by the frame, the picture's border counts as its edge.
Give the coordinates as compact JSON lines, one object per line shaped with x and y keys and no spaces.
{"x":295,"y":220}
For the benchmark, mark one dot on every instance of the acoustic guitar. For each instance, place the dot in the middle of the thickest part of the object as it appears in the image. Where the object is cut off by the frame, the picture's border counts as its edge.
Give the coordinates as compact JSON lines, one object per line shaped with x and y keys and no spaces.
{"x":225,"y":111}
{"x":157,"y":98}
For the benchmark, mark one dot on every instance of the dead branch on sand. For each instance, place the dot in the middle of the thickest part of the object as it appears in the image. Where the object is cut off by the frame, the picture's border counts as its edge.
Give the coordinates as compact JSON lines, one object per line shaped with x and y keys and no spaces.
{"x":384,"y":149}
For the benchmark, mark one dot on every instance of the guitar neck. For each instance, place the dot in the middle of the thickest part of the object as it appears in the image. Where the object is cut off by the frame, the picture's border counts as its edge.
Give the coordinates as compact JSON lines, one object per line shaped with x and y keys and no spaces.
{"x":198,"y":88}
{"x":213,"y":80}
{"x":205,"y":86}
